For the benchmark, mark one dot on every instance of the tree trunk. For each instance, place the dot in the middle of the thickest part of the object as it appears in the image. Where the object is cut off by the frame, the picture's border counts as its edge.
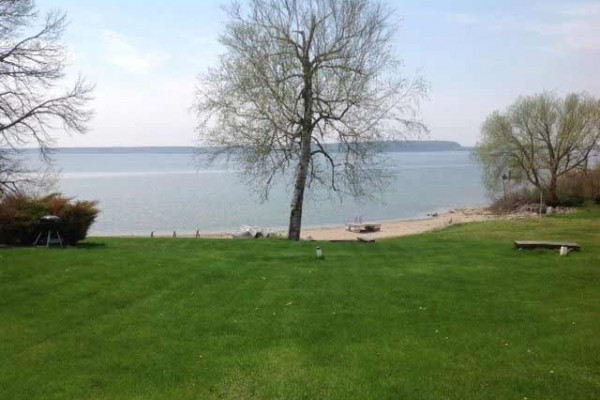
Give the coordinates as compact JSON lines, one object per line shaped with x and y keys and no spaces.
{"x":305,"y":152}
{"x":552,"y":195}
{"x":298,"y":195}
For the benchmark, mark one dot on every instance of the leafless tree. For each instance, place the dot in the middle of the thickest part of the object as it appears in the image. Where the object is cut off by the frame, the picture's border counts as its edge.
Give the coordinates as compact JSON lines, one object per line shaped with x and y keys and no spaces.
{"x":539,"y":139}
{"x":12,"y":173}
{"x":17,"y":177}
{"x":32,"y":67}
{"x":298,"y":76}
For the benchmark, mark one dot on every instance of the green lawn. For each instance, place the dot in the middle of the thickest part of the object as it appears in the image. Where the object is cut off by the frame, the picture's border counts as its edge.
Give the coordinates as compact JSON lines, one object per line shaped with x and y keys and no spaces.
{"x":456,"y":314}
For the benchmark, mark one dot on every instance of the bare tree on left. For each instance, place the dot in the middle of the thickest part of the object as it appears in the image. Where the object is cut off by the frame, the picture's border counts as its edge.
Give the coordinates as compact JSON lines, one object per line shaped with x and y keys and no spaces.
{"x":34,"y":103}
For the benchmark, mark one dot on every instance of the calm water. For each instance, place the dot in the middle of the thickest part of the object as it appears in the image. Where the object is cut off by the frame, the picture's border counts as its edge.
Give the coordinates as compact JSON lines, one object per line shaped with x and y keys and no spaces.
{"x":140,"y":193}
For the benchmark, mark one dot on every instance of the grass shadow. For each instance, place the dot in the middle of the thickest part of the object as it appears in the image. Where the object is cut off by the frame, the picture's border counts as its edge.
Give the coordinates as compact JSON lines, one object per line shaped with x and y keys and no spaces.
{"x":90,"y":245}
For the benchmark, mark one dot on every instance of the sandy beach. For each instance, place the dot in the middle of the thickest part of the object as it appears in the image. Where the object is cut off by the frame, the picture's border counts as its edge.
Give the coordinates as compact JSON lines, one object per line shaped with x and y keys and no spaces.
{"x":406,"y":227}
{"x":389,"y":228}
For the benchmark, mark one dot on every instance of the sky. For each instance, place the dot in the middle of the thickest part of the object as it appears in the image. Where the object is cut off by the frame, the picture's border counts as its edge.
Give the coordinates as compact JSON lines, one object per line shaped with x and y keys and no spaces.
{"x":477,"y":57}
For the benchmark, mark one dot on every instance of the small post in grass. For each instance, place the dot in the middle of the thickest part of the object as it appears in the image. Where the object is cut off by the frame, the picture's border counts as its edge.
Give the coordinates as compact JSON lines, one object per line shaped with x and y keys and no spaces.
{"x":320,"y":255}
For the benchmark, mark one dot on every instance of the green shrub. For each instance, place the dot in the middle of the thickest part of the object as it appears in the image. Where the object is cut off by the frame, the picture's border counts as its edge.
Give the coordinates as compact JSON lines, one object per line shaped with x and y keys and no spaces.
{"x":20,"y":218}
{"x":76,"y":220}
{"x":573,"y":189}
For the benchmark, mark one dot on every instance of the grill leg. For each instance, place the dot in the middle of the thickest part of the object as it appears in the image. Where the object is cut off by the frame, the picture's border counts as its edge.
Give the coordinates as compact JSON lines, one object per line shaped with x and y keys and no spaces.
{"x":48,"y":239}
{"x":59,"y":238}
{"x":37,"y":239}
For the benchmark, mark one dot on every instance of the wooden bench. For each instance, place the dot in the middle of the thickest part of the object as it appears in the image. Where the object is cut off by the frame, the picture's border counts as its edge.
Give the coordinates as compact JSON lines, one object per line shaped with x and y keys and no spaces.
{"x":526,"y":244}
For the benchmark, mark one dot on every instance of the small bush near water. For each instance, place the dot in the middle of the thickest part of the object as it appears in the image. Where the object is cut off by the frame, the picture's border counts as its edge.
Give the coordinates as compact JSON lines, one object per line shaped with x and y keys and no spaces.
{"x":20,"y":218}
{"x":574,"y":189}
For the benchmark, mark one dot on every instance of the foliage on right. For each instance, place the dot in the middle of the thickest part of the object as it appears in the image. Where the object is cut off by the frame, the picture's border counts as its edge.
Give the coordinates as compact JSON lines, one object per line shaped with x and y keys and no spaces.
{"x":537,"y":141}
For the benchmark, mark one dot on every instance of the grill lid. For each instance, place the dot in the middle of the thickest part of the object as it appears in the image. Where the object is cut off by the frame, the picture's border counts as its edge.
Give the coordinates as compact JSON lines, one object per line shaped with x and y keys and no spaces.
{"x":50,"y":218}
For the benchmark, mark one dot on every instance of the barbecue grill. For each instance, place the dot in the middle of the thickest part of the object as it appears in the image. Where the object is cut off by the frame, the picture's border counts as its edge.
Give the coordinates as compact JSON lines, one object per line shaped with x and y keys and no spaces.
{"x":50,"y":230}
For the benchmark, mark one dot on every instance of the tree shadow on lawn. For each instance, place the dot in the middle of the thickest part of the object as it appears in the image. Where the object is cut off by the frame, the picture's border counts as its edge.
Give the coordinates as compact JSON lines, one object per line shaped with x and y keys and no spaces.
{"x":89,"y":245}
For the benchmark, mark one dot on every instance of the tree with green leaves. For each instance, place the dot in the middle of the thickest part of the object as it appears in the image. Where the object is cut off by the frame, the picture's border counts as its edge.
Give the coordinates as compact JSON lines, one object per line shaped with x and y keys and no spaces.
{"x":538,"y":139}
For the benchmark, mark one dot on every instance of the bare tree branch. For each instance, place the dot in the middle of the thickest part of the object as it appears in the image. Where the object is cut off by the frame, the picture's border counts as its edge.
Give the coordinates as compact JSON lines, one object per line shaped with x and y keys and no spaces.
{"x":298,"y":75}
{"x":32,"y":64}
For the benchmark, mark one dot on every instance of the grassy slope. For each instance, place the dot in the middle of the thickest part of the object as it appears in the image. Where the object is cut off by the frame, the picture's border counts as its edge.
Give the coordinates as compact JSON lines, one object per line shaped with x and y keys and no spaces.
{"x":457,"y":314}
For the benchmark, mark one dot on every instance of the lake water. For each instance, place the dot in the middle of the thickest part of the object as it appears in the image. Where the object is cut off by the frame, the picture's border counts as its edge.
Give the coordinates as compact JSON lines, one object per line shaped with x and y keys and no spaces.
{"x":143,"y":192}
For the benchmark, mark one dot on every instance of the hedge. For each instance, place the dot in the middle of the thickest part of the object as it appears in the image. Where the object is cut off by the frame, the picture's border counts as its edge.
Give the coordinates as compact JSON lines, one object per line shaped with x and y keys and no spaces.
{"x":20,"y":218}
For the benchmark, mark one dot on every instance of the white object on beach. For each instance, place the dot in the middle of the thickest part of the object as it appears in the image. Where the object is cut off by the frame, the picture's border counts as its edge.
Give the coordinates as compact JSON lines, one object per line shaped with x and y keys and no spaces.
{"x":250,"y":232}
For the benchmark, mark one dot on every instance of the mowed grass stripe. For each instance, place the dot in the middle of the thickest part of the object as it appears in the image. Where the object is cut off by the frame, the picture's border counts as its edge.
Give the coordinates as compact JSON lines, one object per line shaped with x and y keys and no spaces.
{"x":457,"y":314}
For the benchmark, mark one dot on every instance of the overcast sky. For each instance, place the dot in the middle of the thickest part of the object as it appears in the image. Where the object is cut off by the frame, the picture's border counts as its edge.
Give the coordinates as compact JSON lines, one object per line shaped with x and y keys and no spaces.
{"x":477,"y":56}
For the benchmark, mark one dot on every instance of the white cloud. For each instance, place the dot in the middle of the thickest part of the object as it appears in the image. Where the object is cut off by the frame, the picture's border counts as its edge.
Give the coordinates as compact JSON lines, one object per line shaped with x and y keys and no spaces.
{"x":573,"y":26}
{"x":564,"y":26}
{"x":462,"y":18}
{"x":131,"y":114}
{"x":121,"y":52}
{"x":582,"y":9}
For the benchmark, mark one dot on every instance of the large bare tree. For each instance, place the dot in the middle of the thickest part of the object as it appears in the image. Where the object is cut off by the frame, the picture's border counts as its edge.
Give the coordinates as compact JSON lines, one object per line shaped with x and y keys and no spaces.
{"x":12,"y":173}
{"x":298,"y":76}
{"x":539,"y":139}
{"x":32,"y":68}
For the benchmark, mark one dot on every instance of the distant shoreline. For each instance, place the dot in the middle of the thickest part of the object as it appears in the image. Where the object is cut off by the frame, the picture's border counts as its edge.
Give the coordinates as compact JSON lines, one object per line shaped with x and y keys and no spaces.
{"x":408,"y":146}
